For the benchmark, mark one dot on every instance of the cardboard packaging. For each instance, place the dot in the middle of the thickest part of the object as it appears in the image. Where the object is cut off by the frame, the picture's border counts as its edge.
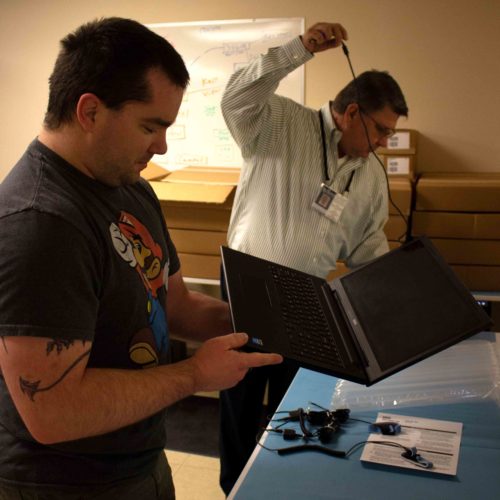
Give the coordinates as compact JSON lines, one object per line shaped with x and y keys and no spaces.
{"x":400,"y":165}
{"x":475,"y":226}
{"x":200,"y":266}
{"x":154,"y":172}
{"x":197,"y":198}
{"x":469,"y":252}
{"x":479,"y":278}
{"x":478,"y":192}
{"x":340,"y":270}
{"x":198,"y":242}
{"x":403,"y":142}
{"x":460,"y":212}
{"x":401,"y":194}
{"x":196,"y":203}
{"x":395,"y":228}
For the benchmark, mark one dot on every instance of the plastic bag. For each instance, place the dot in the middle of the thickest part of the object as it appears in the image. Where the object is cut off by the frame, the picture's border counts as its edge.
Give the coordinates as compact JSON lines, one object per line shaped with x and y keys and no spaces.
{"x":467,"y":371}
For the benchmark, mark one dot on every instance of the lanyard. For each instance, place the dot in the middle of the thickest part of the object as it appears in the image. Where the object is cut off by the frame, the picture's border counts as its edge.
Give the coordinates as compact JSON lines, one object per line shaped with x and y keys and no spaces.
{"x":326,"y":177}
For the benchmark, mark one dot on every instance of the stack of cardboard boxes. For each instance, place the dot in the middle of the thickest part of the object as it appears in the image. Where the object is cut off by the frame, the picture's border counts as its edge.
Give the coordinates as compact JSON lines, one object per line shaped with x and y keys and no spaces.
{"x":460,"y":213}
{"x":400,"y":155}
{"x":400,"y":161}
{"x":196,"y":203}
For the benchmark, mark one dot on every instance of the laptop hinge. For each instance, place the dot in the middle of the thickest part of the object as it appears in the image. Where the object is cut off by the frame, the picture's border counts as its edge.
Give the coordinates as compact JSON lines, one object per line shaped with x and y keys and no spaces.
{"x":328,"y":292}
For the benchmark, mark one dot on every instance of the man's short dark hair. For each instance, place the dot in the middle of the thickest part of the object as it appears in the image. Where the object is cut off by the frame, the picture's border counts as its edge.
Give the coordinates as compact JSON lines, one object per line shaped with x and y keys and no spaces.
{"x":110,"y":58}
{"x":372,"y":91}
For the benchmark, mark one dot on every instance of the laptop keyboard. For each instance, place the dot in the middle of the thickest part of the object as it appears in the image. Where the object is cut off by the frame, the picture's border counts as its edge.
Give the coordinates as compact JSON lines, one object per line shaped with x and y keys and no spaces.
{"x":305,"y":323}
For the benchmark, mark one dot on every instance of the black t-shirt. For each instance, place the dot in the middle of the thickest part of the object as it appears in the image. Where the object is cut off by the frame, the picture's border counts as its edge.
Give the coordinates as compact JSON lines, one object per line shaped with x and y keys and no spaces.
{"x":82,"y":261}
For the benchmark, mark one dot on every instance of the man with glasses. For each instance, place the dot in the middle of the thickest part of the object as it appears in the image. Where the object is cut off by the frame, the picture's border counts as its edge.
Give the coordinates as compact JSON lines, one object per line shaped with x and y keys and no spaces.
{"x":310,"y":193}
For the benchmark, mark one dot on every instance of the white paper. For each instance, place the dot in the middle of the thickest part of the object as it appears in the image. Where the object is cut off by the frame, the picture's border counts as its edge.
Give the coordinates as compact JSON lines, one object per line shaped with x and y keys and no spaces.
{"x":437,"y":441}
{"x":400,"y":140}
{"x":398,"y":165}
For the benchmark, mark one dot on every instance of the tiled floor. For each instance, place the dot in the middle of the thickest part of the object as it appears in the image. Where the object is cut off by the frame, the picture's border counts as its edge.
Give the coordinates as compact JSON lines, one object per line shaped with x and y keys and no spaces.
{"x":196,"y":477}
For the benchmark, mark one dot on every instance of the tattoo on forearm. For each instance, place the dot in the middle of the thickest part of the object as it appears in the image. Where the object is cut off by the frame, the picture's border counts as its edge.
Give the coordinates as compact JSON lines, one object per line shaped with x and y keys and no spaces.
{"x":4,"y":345}
{"x":58,"y":345}
{"x":31,"y":388}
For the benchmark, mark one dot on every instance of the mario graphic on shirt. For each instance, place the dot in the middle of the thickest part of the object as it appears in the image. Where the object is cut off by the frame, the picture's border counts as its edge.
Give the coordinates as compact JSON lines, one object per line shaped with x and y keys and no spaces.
{"x":135,"y":245}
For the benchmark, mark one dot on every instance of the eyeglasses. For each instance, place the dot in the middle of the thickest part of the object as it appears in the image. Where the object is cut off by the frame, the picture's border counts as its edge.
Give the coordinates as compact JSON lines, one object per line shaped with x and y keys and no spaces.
{"x":384,"y":132}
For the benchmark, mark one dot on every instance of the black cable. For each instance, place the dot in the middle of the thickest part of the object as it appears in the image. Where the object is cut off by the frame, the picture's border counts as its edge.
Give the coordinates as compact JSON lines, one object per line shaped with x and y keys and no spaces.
{"x":305,"y":431}
{"x":410,"y":454}
{"x":355,"y":446}
{"x":361,"y":420}
{"x":345,"y":50}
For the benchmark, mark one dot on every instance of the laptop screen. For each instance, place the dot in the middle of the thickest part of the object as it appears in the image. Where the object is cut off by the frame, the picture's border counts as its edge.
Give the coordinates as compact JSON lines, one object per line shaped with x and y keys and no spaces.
{"x":410,"y":302}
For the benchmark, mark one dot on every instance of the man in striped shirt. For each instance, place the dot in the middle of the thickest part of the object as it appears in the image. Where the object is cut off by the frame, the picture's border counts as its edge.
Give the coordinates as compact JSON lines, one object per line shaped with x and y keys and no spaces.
{"x":310,"y":193}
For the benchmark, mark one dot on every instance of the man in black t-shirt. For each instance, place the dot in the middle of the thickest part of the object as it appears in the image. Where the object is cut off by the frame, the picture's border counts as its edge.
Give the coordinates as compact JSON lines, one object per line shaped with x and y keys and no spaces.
{"x":90,"y":282}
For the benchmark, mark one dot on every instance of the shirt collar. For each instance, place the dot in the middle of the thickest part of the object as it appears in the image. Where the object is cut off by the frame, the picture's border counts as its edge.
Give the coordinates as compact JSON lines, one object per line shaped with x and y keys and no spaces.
{"x":331,"y":130}
{"x":334,"y":135}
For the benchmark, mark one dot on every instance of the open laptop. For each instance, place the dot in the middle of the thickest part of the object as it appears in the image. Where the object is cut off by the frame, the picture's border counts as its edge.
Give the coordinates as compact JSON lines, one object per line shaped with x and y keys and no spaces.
{"x":365,"y":325}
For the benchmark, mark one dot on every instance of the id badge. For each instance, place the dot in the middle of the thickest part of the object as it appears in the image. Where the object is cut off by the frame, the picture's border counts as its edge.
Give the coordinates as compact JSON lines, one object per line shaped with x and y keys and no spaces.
{"x":329,"y":203}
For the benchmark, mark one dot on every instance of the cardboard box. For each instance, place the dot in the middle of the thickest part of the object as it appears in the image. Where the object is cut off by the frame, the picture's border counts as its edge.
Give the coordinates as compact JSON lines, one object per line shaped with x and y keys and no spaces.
{"x":338,"y":271}
{"x":470,"y":252}
{"x":199,"y":193}
{"x":206,"y":176}
{"x":400,"y":165}
{"x":198,"y":198}
{"x":154,"y":172}
{"x":479,"y":278}
{"x":395,"y":228}
{"x":457,"y":225}
{"x":191,"y":217}
{"x":200,"y":266}
{"x":401,"y":194}
{"x":478,"y":192}
{"x":403,"y":142}
{"x":198,"y":242}
{"x":196,"y":203}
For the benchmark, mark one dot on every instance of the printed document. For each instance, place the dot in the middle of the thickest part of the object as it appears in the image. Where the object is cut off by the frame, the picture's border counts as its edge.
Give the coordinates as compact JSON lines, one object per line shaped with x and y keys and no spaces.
{"x":437,"y":441}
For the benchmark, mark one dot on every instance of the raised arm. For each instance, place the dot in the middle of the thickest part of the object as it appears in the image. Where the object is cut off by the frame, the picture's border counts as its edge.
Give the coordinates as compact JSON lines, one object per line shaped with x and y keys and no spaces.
{"x":249,"y":102}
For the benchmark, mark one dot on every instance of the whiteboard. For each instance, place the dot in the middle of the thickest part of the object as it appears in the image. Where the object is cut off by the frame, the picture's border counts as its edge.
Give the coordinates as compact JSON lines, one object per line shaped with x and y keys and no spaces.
{"x":212,"y":51}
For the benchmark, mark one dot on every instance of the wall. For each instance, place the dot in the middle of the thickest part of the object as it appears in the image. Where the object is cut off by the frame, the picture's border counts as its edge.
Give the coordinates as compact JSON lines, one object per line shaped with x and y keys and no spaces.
{"x":444,"y":53}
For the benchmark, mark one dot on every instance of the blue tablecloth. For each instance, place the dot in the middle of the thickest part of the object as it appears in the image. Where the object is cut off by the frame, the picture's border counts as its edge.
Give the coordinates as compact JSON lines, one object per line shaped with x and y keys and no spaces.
{"x":312,"y":475}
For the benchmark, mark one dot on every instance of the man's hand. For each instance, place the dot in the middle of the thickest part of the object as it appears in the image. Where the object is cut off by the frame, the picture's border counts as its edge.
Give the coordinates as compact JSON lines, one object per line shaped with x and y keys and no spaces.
{"x":323,"y":36}
{"x":218,"y":365}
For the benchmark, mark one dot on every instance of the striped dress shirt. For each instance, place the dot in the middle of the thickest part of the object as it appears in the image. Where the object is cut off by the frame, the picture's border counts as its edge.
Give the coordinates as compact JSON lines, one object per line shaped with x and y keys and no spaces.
{"x":281,"y":145}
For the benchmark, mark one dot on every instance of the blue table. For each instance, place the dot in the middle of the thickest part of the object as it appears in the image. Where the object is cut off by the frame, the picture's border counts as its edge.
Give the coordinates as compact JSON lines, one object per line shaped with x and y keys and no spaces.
{"x":313,"y":475}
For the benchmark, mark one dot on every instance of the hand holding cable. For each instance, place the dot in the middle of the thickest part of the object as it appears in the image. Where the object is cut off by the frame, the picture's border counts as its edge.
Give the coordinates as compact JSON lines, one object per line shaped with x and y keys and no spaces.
{"x":323,"y":36}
